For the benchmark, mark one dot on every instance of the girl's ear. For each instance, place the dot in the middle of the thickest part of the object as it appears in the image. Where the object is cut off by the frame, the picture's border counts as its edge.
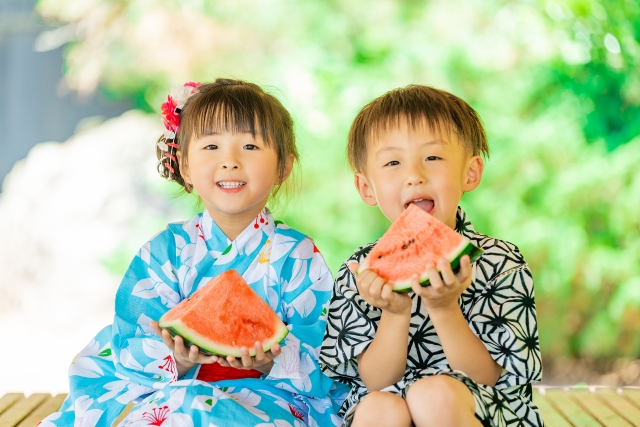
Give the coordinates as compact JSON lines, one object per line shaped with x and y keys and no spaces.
{"x":473,"y":174}
{"x":366,"y":192}
{"x":184,"y":168}
{"x":288,"y":168}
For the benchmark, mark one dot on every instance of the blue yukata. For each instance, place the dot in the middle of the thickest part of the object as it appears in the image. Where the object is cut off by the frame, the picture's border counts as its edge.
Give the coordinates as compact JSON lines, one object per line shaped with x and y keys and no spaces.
{"x":127,"y":362}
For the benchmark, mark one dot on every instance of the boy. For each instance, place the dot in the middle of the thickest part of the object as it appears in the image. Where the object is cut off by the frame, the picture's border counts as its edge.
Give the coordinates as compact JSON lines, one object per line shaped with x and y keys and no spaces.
{"x":472,"y":338}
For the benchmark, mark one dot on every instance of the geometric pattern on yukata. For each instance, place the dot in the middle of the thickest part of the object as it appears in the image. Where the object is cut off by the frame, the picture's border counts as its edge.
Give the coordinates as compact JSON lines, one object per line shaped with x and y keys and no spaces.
{"x":126,"y":362}
{"x":499,"y":307}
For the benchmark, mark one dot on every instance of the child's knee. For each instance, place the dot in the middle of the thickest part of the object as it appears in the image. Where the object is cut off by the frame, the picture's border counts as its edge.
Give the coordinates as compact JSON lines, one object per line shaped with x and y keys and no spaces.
{"x":380,"y":408}
{"x":441,"y":393}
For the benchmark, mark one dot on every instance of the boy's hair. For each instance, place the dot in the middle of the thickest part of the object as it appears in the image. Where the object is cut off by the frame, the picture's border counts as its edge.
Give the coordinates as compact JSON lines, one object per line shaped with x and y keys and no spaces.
{"x":228,"y":105}
{"x":416,"y":104}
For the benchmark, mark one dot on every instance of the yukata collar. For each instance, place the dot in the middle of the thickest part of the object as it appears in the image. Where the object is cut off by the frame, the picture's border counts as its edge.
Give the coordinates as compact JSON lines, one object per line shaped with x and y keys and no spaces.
{"x":217,"y":240}
{"x":463,"y":224}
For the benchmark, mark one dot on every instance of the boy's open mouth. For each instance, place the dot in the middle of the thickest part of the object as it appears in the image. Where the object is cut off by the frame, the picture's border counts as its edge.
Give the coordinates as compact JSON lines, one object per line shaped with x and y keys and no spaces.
{"x":230,"y":184}
{"x":424,"y":204}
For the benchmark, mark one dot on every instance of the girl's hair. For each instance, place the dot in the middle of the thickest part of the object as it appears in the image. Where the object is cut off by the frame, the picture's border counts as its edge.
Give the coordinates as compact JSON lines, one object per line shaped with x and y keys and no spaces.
{"x":234,"y":106}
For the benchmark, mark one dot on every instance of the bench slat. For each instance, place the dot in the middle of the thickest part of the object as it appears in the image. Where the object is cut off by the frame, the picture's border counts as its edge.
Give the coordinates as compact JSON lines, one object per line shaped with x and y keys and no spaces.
{"x":632,"y":396}
{"x":570,"y":409}
{"x":551,"y":417}
{"x":630,"y":412}
{"x":49,"y":406}
{"x":600,"y":410}
{"x":9,"y":399}
{"x":21,"y":408}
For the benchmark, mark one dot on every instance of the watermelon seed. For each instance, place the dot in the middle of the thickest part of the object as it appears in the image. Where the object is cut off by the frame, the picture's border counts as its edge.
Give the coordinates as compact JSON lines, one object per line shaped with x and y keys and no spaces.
{"x":379,"y":256}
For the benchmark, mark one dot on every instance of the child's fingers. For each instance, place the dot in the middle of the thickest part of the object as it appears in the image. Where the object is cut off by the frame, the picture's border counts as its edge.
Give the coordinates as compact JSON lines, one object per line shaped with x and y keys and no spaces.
{"x":448,"y":278}
{"x":417,"y":287}
{"x":260,"y":354}
{"x":376,"y":286}
{"x":233,"y":362}
{"x":156,"y":328}
{"x":434,"y":278}
{"x":245,"y":359}
{"x":275,"y":350}
{"x":353,"y":267}
{"x":179,"y":348}
{"x":465,"y":268}
{"x":167,"y":339}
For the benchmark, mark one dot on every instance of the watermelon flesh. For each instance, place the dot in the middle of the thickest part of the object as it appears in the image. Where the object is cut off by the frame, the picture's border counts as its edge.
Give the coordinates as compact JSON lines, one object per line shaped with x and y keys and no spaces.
{"x":415,"y":240}
{"x":224,"y":316}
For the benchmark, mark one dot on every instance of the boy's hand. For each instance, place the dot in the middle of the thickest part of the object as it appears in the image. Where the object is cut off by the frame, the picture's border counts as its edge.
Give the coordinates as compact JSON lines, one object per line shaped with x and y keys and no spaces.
{"x":186,"y":357}
{"x":444,"y":291}
{"x":262,"y":361}
{"x":379,"y":293}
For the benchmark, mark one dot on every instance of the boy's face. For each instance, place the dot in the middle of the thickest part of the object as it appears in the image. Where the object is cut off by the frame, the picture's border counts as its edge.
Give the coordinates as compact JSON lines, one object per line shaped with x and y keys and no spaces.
{"x":418,"y":165}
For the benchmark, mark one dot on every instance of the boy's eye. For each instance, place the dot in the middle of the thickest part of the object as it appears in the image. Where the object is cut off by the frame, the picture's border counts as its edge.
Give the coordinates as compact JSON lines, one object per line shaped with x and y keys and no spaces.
{"x":431,"y":158}
{"x":393,"y":163}
{"x":211,"y":147}
{"x":250,"y":147}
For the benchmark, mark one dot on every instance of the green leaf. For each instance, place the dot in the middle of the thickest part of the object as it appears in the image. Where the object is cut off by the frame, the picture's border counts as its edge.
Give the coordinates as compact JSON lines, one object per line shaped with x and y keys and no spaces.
{"x":209,"y":402}
{"x":104,"y":353}
{"x":226,"y":251}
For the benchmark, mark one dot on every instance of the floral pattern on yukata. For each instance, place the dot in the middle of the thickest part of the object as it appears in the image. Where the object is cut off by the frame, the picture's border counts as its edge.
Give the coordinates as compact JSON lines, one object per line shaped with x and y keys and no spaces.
{"x":126,"y":362}
{"x":499,"y":307}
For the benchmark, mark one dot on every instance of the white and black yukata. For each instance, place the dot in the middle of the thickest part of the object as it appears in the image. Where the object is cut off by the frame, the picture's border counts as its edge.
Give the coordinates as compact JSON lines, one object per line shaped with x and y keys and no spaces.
{"x":500,"y":309}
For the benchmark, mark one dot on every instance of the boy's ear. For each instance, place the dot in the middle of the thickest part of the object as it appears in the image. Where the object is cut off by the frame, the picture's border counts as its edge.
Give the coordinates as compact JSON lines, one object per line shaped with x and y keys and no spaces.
{"x":365,"y":190}
{"x":473,"y":175}
{"x":184,"y":169}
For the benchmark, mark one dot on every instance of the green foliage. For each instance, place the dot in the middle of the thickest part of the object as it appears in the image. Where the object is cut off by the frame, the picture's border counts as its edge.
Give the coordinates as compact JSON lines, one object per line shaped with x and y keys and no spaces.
{"x":556,"y":83}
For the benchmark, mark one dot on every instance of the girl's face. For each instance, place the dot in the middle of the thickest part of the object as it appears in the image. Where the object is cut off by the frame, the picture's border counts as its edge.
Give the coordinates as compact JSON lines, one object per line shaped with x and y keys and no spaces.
{"x":233,"y":173}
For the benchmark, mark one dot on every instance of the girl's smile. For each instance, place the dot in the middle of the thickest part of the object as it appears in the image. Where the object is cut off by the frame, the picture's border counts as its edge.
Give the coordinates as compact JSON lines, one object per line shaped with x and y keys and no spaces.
{"x":231,"y":186}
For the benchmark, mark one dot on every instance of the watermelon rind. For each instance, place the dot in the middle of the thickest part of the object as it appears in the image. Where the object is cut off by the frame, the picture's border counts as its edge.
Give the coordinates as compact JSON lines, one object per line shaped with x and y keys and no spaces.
{"x":217,"y":349}
{"x":465,"y":248}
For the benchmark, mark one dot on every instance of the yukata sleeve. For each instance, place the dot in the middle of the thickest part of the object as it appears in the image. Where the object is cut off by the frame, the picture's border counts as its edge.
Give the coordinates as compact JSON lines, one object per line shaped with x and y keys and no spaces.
{"x":305,"y":290}
{"x":503,"y":316}
{"x":352,"y":324}
{"x":148,"y":290}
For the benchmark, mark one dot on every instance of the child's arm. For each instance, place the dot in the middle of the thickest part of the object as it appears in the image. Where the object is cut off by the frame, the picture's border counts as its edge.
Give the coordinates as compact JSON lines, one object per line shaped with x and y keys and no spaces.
{"x":464,"y":350}
{"x":384,"y":362}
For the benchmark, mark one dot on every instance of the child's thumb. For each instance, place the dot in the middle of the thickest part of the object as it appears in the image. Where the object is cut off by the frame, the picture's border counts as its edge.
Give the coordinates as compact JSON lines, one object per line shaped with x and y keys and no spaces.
{"x":353,"y":267}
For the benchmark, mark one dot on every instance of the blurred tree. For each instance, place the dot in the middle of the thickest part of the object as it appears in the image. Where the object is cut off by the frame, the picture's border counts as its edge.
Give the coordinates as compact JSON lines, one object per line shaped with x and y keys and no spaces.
{"x":556,"y":82}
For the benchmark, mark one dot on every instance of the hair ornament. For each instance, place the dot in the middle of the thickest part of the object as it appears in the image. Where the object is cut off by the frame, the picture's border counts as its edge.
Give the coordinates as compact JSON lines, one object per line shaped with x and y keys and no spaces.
{"x":171,"y":110}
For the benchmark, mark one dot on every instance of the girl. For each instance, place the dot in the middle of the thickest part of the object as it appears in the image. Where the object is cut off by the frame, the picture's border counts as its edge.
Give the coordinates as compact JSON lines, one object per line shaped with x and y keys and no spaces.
{"x":233,"y":145}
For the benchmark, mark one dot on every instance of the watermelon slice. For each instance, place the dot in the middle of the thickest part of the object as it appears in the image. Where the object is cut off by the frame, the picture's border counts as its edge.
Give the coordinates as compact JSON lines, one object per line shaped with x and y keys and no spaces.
{"x":415,"y":240}
{"x":223,"y":316}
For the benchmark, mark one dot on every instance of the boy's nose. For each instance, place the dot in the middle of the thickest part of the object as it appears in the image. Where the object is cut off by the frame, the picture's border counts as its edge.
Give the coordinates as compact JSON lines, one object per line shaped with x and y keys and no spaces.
{"x":229,"y":165}
{"x":415,"y":179}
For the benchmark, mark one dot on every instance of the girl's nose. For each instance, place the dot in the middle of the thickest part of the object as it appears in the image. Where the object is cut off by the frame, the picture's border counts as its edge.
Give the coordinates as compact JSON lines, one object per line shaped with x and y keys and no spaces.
{"x":230,"y":161}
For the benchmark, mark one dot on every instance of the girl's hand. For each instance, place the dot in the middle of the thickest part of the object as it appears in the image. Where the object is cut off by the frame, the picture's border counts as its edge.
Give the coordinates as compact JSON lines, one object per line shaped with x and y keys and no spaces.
{"x":379,"y":293}
{"x":262,"y":361}
{"x":444,"y":291}
{"x":186,"y":357}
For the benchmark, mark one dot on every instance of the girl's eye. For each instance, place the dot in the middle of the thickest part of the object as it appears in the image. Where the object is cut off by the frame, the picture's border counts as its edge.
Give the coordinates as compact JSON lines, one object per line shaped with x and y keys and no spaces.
{"x":431,"y":158}
{"x":393,"y":163}
{"x":250,"y":147}
{"x":211,"y":147}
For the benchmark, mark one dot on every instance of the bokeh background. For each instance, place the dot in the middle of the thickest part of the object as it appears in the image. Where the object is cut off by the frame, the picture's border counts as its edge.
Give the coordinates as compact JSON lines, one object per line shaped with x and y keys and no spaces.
{"x":557,"y":84}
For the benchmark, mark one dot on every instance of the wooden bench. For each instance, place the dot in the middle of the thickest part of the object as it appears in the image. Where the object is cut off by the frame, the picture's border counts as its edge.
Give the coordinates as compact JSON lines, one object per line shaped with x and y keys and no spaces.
{"x":560,"y":407}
